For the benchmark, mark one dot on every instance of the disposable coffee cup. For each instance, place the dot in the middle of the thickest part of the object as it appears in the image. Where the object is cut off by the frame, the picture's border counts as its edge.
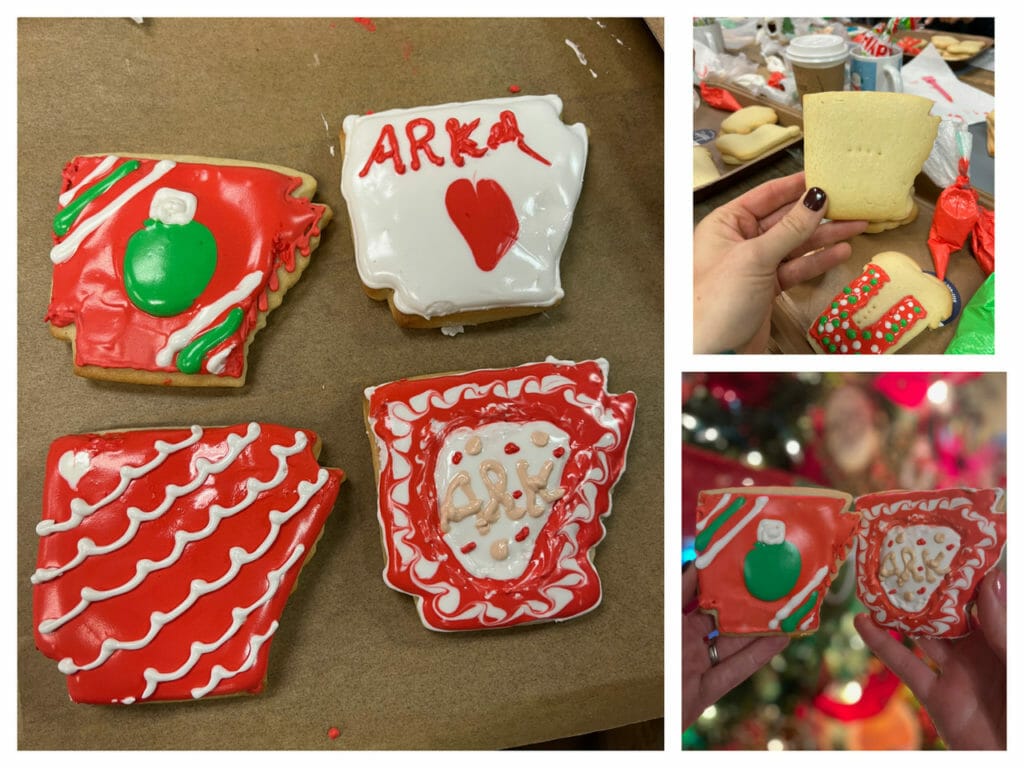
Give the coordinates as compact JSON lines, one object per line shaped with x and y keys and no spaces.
{"x":818,"y":63}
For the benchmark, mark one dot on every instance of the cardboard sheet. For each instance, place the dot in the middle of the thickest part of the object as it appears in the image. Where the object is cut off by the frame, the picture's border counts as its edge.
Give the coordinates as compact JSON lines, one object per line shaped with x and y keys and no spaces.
{"x":351,"y":653}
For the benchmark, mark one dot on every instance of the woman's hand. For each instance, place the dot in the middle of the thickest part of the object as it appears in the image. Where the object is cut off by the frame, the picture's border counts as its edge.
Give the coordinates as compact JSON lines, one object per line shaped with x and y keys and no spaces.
{"x":705,"y":683}
{"x":966,"y":695}
{"x":752,"y":248}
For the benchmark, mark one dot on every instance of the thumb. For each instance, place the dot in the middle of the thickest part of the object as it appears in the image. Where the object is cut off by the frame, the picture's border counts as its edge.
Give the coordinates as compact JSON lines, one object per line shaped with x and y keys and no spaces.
{"x":794,"y":228}
{"x":992,"y":610}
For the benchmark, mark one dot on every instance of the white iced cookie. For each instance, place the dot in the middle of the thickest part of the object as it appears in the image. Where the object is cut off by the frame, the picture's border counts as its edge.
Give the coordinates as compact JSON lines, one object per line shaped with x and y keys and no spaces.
{"x":460,"y":211}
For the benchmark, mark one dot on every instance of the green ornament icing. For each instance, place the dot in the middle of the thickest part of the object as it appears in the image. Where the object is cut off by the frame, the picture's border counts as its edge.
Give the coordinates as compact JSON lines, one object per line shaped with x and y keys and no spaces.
{"x":847,"y":289}
{"x":889,"y":337}
{"x":866,"y":335}
{"x":167,"y":266}
{"x":69,"y":214}
{"x":903,"y":323}
{"x":851,"y":334}
{"x":190,"y":359}
{"x":770,"y":571}
{"x":917,"y":310}
{"x":790,"y":623}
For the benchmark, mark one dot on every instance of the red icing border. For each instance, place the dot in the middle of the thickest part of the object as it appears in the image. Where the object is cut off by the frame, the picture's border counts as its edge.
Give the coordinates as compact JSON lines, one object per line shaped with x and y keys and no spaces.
{"x":256,"y":223}
{"x":410,"y":420}
{"x":976,"y":515}
{"x":128,"y":617}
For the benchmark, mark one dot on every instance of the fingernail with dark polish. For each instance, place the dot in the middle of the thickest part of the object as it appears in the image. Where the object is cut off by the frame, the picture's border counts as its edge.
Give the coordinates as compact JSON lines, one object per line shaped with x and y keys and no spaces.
{"x":815,"y":198}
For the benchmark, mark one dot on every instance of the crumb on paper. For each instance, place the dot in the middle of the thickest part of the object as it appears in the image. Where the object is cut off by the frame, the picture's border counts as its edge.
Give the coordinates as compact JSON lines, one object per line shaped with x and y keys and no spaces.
{"x":316,"y":59}
{"x":327,"y":126}
{"x":368,"y":23}
{"x":514,"y":88}
{"x":332,"y":150}
{"x":333,"y":733}
{"x":136,"y":19}
{"x":452,"y":330}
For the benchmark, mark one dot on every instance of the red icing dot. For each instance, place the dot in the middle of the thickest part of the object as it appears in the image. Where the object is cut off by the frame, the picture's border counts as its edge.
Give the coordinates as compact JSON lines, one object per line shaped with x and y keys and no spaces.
{"x":469,"y":547}
{"x":920,"y":567}
{"x":517,"y":494}
{"x":333,"y":733}
{"x":892,"y":591}
{"x":921,"y":542}
{"x":920,"y":591}
{"x":949,"y":547}
{"x":457,"y":457}
{"x":513,"y":88}
{"x":369,"y":111}
{"x":559,"y":452}
{"x":511,"y":448}
{"x":522,"y":533}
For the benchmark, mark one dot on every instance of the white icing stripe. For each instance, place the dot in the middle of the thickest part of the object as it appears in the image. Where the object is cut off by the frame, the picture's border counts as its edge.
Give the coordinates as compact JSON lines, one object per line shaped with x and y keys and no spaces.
{"x":706,"y":559}
{"x":216,"y":362}
{"x":99,"y":170}
{"x":65,"y":249}
{"x":807,"y":622}
{"x":238,"y":618}
{"x":182,"y":538}
{"x":219,"y":673}
{"x":238,"y":556}
{"x":184,"y":336}
{"x":721,"y":503}
{"x":81,"y":510}
{"x":799,"y":597}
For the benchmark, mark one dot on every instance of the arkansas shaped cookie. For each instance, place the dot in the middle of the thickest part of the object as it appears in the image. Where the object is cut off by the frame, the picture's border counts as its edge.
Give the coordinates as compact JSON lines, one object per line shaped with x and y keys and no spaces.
{"x":922,"y":554}
{"x":767,"y":555}
{"x":491,"y":489}
{"x":460,"y":211}
{"x":166,"y":556}
{"x":164,"y":268}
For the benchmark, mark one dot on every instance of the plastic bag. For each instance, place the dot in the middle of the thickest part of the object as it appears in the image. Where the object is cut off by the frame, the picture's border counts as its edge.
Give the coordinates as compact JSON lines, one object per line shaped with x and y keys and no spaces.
{"x":975,"y":333}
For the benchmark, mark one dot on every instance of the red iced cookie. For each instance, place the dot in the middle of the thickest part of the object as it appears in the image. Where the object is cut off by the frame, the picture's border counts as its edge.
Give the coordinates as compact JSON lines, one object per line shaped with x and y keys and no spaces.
{"x":167,"y":556}
{"x":492,"y":486}
{"x":767,"y":555}
{"x":922,"y":554}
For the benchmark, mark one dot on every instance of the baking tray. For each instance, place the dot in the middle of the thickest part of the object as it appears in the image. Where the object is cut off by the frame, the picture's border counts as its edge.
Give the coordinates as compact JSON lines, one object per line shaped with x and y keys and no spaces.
{"x":707,"y":121}
{"x":952,"y":59}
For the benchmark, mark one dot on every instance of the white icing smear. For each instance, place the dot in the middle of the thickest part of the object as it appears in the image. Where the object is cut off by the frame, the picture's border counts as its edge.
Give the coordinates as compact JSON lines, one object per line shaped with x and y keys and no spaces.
{"x":65,"y":249}
{"x":487,"y":473}
{"x":577,"y":51}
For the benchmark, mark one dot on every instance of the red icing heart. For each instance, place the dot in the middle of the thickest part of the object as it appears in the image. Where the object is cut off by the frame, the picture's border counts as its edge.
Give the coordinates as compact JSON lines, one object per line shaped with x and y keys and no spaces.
{"x":485,"y":217}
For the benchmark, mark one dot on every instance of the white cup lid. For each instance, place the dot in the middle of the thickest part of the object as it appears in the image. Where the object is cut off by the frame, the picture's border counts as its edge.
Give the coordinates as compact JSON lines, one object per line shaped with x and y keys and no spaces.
{"x":817,"y":49}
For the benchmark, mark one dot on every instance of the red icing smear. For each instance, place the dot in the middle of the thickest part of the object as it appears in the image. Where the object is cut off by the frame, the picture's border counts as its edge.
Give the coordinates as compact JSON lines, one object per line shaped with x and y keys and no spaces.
{"x":457,"y":457}
{"x":522,"y":533}
{"x":511,"y":448}
{"x":468,"y":547}
{"x":514,"y":89}
{"x":367,"y":23}
{"x":257,"y":226}
{"x":127,"y":617}
{"x":834,"y":330}
{"x":982,"y":532}
{"x":817,"y":525}
{"x":586,"y":380}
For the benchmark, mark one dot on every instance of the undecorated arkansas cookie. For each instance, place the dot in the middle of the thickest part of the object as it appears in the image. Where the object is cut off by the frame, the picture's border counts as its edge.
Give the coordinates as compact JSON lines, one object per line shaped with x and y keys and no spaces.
{"x":460,"y":212}
{"x":164,"y":268}
{"x":166,"y":556}
{"x":767,"y":555}
{"x":922,"y":554}
{"x":492,"y":486}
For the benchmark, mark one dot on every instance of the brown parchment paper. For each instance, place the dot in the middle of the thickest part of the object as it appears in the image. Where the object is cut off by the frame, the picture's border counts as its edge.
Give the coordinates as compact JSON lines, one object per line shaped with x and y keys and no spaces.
{"x":351,"y":653}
